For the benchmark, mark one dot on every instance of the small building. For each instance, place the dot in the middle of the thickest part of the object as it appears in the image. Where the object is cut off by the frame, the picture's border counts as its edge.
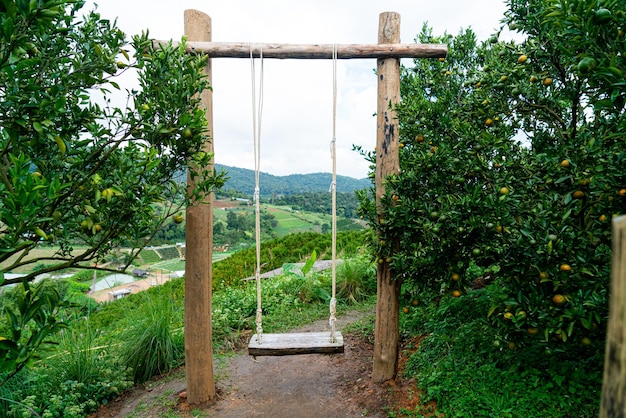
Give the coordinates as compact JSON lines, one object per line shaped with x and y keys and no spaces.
{"x":119,"y":294}
{"x":139,"y":273}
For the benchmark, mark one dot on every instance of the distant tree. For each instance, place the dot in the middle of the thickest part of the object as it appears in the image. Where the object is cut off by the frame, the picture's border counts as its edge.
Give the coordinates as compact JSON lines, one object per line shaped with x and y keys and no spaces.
{"x":233,"y":221}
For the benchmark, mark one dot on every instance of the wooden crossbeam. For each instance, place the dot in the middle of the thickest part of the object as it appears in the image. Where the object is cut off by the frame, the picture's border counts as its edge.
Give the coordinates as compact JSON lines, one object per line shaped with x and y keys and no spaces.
{"x":295,"y":343}
{"x":315,"y":51}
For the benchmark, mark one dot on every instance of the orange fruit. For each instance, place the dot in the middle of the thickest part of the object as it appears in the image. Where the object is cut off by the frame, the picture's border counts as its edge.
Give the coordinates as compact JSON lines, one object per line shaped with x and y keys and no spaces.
{"x":419,"y":138}
{"x":442,"y":59}
{"x":559,"y":300}
{"x":499,"y":228}
{"x":508,"y":315}
{"x":533,"y":79}
{"x":455,"y":277}
{"x":522,"y":59}
{"x":565,"y":163}
{"x":578,"y":194}
{"x":456,"y":293}
{"x":533,"y":331}
{"x":489,"y":122}
{"x":405,"y":309}
{"x":602,"y":218}
{"x":547,"y":81}
{"x":622,"y":192}
{"x":565,"y":267}
{"x":504,"y":190}
{"x":415,"y":302}
{"x":503,"y":78}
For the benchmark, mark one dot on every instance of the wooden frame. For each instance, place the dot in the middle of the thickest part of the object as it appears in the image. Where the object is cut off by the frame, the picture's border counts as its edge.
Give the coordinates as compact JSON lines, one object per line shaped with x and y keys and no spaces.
{"x":198,"y":280}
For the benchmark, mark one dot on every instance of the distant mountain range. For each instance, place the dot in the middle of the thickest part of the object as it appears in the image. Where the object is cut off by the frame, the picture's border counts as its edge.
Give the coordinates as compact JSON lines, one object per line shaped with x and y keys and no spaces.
{"x":242,"y":180}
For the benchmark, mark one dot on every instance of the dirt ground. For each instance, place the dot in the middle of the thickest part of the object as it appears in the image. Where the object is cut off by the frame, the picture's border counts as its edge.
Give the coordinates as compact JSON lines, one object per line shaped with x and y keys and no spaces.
{"x":307,"y":386}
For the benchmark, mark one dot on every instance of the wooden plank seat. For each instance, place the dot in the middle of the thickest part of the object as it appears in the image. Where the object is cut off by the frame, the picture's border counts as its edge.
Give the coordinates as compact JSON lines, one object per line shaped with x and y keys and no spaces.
{"x":295,"y":343}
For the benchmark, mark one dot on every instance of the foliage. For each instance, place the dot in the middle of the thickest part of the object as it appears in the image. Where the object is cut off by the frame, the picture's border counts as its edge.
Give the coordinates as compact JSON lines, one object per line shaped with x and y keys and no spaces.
{"x":512,"y":167}
{"x":30,"y":324}
{"x":274,"y":253}
{"x":76,"y":168}
{"x":468,"y":371}
{"x":356,"y":279}
{"x":38,"y":393}
{"x":153,"y":343}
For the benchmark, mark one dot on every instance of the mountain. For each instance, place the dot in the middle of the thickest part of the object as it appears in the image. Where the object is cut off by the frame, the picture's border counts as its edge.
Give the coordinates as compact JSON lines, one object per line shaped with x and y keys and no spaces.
{"x":242,"y":180}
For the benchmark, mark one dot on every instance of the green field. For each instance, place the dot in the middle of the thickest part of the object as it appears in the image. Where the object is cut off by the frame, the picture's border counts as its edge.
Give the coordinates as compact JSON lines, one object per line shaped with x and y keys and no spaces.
{"x":174,"y":264}
{"x":289,"y":221}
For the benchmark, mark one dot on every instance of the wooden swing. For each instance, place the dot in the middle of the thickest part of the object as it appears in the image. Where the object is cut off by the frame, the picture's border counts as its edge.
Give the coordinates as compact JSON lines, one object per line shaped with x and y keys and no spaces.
{"x":304,"y":342}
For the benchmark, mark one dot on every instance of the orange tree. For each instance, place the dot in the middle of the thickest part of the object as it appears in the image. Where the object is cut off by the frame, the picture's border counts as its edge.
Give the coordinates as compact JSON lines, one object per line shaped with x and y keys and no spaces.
{"x":512,"y":164}
{"x":79,"y":166}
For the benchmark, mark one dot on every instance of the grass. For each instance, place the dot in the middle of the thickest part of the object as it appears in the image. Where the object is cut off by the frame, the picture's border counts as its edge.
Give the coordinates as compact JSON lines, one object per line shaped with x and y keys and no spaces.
{"x":171,"y":265}
{"x":153,"y":340}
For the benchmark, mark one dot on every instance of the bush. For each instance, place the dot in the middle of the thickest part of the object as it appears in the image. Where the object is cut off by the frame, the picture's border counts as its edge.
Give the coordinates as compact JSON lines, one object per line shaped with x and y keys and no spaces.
{"x":463,"y":365}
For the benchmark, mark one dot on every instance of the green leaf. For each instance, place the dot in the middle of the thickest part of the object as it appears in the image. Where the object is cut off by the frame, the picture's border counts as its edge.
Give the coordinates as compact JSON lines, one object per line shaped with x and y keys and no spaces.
{"x":37,"y":126}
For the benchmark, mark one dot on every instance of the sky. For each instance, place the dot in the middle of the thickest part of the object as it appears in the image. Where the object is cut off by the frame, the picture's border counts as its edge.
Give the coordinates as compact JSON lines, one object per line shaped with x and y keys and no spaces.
{"x":297,"y":117}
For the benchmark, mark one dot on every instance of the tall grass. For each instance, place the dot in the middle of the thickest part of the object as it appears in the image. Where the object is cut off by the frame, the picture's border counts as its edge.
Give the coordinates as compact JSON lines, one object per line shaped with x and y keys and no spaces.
{"x":153,"y":340}
{"x":78,"y":358}
{"x":356,"y":279}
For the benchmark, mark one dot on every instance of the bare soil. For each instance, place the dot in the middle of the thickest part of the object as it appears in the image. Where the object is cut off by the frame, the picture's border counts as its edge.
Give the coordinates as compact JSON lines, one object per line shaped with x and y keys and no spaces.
{"x":312,"y":386}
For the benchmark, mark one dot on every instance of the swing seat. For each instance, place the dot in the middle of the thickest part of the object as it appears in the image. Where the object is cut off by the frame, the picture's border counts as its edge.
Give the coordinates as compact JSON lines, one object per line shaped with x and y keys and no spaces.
{"x":295,"y":343}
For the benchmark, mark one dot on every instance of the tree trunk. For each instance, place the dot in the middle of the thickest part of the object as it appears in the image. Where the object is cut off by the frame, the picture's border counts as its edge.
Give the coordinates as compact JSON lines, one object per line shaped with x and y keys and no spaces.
{"x":387,"y":333}
{"x":198,"y":255}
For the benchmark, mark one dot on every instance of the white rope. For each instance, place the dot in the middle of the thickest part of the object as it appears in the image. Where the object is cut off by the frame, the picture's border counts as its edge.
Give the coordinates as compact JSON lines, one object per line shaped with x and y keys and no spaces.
{"x":333,"y":188}
{"x":257,"y":112}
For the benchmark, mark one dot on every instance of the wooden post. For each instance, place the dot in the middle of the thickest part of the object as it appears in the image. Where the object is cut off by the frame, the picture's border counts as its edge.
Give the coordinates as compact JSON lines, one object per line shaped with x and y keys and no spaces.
{"x":198,"y":255}
{"x":387,"y":332}
{"x":614,"y":384}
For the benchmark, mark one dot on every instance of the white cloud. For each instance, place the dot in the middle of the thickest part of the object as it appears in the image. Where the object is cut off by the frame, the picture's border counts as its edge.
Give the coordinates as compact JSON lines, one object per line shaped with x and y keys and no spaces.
{"x":297,"y":114}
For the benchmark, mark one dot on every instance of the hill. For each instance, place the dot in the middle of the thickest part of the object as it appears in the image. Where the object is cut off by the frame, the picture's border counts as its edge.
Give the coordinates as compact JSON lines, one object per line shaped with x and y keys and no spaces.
{"x":242,"y":180}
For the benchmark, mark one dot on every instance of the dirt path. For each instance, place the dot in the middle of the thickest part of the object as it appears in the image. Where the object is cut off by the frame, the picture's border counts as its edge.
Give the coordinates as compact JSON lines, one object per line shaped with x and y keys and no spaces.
{"x":308,"y":386}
